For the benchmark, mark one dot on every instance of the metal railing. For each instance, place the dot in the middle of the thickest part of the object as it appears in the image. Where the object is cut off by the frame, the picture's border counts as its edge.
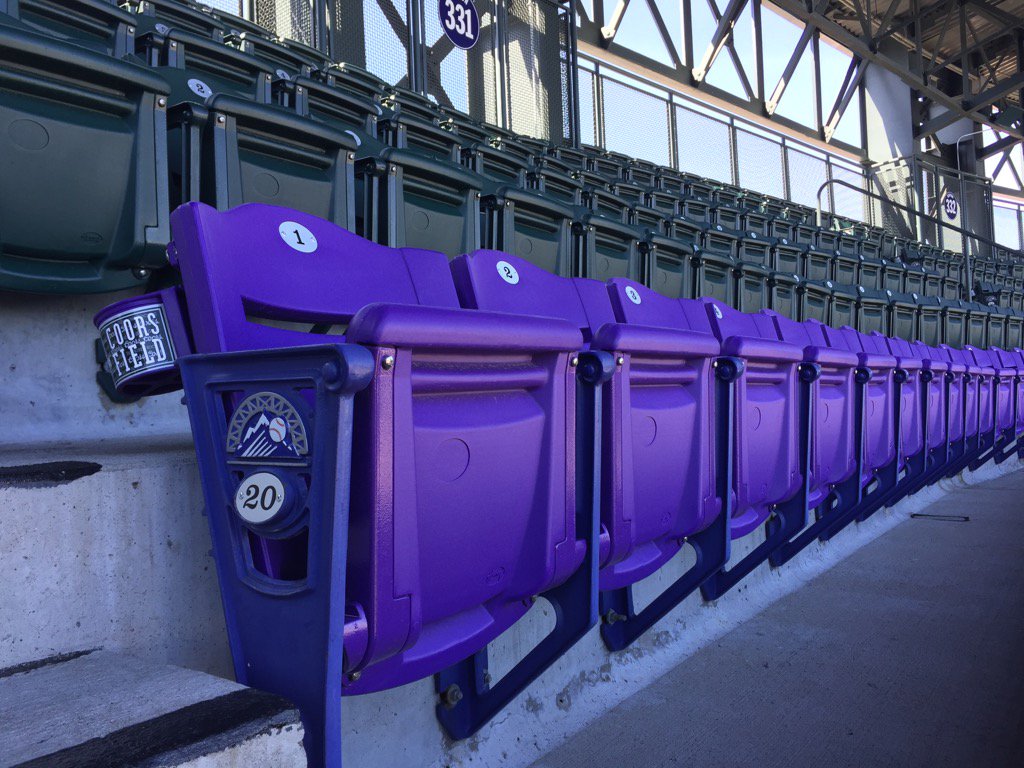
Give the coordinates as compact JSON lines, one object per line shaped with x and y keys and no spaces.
{"x":968,"y":267}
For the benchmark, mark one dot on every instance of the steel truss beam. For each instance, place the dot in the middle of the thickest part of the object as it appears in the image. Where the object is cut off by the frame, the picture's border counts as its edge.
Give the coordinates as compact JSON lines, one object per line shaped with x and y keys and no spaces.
{"x":867,"y":50}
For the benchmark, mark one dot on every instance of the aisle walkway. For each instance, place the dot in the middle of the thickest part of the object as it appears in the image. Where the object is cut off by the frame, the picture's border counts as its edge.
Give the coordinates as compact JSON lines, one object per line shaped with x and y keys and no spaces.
{"x":909,"y":653}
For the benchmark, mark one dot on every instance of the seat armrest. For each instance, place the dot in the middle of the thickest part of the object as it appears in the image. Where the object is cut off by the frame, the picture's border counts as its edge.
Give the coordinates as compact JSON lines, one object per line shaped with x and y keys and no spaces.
{"x":876,"y":361}
{"x":643,"y":339}
{"x":765,"y":350}
{"x":909,"y":363}
{"x":837,"y":358}
{"x":939,"y":366}
{"x":408,"y":325}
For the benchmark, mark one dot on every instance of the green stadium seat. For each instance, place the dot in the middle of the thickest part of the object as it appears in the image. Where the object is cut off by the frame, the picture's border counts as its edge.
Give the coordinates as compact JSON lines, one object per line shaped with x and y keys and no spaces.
{"x":869,"y":272}
{"x":954,"y":323}
{"x":163,"y":15}
{"x":715,"y":275}
{"x":977,"y":324}
{"x":817,"y":265}
{"x":84,"y":179}
{"x":846,"y":268}
{"x":787,"y":257}
{"x":783,"y":290}
{"x":531,"y":226}
{"x":1014,"y":329}
{"x":668,"y":266}
{"x":872,"y":312}
{"x":843,"y":309}
{"x":97,"y":25}
{"x":903,"y":314}
{"x":355,"y":80}
{"x":331,"y":105}
{"x":893,"y":275}
{"x":607,"y":248}
{"x":929,"y":321}
{"x":751,"y":287}
{"x":815,"y":301}
{"x":549,"y":180}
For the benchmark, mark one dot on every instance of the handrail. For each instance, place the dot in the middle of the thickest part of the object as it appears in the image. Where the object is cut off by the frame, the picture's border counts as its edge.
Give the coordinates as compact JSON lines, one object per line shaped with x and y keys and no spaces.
{"x":938,"y":222}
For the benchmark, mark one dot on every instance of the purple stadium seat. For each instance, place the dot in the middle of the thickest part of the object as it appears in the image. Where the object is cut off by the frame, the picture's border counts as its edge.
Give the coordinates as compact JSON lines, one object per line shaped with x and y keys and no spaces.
{"x":972,"y":383}
{"x":657,"y":483}
{"x":879,"y":409}
{"x":833,"y":438}
{"x":766,"y":409}
{"x":987,"y":395}
{"x":463,"y":500}
{"x":1004,"y":389}
{"x":935,"y":363}
{"x":911,"y":394}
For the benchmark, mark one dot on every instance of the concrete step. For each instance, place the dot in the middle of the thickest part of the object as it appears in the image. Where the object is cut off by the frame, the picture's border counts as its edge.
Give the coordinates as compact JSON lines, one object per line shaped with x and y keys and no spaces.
{"x":98,"y":709}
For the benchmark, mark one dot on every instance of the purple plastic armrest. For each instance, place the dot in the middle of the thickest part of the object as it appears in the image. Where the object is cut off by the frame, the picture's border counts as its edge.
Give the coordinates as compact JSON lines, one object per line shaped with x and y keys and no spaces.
{"x":875,"y":361}
{"x":763,"y":350}
{"x":828,"y":356}
{"x":655,"y":341}
{"x":441,"y":328}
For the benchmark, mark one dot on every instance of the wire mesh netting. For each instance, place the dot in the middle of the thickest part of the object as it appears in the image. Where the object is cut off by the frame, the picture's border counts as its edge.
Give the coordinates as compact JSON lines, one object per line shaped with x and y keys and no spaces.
{"x":806,"y":175}
{"x":703,"y":145}
{"x":760,"y":163}
{"x":536,"y":90}
{"x":948,"y":186}
{"x":635,"y":122}
{"x":1006,"y":223}
{"x":465,"y":80}
{"x":234,"y":7}
{"x":894,"y":184}
{"x":846,"y":202}
{"x":588,"y":108}
{"x":292,"y":19}
{"x":373,"y":34}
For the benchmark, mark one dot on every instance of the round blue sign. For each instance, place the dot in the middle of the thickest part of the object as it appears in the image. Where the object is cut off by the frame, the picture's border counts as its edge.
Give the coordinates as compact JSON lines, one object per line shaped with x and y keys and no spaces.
{"x":460,"y":22}
{"x":950,"y":206}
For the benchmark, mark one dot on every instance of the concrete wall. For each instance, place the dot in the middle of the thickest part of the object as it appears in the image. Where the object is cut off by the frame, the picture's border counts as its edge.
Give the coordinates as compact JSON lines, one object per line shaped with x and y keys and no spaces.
{"x":120,"y":559}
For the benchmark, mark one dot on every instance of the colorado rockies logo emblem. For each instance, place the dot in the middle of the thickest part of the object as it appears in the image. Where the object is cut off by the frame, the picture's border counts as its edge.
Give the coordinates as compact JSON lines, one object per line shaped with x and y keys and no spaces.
{"x":266,"y":429}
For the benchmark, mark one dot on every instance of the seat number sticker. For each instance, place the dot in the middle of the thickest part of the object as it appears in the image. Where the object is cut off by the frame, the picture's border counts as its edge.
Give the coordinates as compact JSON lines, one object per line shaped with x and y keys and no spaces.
{"x":259,"y":497}
{"x":632,"y":294}
{"x":508,"y":273}
{"x":199,"y":88}
{"x":297,"y":236}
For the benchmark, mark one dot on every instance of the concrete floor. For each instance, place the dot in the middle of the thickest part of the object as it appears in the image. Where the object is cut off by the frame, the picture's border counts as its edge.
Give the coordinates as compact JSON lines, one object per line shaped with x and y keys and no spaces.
{"x":908,"y":653}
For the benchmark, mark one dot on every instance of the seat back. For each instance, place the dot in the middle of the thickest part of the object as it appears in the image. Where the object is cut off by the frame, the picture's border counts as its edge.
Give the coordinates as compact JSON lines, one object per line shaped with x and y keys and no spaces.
{"x":935,"y":391}
{"x":879,"y":397}
{"x":237,"y":299}
{"x":766,"y":466}
{"x":84,"y":176}
{"x":991,"y":394}
{"x":972,"y":389}
{"x":911,"y":394}
{"x":833,"y":454}
{"x":456,"y":419}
